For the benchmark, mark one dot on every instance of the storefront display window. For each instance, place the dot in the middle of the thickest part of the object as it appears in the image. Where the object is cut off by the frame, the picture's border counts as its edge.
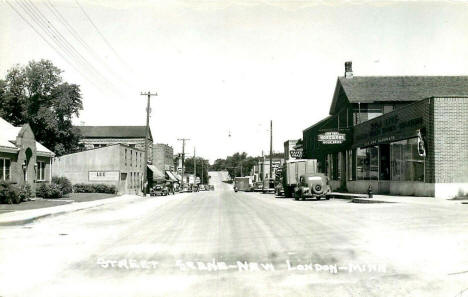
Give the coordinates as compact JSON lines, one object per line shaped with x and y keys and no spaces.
{"x":367,"y":163}
{"x":406,"y":163}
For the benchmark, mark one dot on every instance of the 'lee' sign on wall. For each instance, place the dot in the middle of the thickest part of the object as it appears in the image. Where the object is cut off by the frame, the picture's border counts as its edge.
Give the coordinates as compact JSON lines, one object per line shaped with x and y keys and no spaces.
{"x":103,"y":175}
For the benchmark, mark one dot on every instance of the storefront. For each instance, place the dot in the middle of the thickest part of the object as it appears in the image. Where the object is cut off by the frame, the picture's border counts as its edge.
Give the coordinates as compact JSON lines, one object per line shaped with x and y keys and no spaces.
{"x":400,"y":135}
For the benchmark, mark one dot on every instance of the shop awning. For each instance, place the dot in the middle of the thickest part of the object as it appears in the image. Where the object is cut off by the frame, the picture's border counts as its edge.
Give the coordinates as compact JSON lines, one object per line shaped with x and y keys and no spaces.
{"x":177,"y":176}
{"x":171,"y":176}
{"x":157,"y":174}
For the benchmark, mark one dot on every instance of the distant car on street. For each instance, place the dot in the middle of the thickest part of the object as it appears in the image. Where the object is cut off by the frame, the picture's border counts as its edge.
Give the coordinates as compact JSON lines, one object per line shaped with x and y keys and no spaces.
{"x":258,"y":186}
{"x":159,"y":190}
{"x":279,"y":190}
{"x":212,"y":188}
{"x":201,"y":188}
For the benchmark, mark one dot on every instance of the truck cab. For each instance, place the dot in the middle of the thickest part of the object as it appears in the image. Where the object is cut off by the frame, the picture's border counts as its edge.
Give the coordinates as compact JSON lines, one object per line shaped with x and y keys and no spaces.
{"x":314,"y":185}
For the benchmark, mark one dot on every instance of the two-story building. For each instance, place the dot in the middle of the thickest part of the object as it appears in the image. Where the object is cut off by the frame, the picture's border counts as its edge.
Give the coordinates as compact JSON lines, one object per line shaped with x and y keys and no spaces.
{"x":403,"y":135}
{"x":100,"y":136}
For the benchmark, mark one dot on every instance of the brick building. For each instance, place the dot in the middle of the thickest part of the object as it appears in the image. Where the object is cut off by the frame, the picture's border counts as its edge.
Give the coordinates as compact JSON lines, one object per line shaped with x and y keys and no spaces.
{"x":400,"y":135}
{"x":23,"y":160}
{"x":100,"y":136}
{"x":163,"y":157}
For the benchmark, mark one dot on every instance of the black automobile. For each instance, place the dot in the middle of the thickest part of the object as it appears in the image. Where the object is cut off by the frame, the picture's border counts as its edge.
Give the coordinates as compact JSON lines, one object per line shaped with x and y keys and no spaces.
{"x":159,"y":190}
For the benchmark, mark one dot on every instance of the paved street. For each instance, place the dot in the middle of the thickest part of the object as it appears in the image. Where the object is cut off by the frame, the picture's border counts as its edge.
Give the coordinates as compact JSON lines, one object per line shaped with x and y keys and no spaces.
{"x":223,"y":243}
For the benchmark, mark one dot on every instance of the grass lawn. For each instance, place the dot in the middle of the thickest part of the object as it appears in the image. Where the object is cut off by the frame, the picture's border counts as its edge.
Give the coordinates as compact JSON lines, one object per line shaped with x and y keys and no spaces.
{"x":41,"y":203}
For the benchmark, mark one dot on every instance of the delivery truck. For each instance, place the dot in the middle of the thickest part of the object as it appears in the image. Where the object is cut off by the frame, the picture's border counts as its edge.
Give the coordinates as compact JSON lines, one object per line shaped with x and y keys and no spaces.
{"x":243,"y":184}
{"x":292,"y":172}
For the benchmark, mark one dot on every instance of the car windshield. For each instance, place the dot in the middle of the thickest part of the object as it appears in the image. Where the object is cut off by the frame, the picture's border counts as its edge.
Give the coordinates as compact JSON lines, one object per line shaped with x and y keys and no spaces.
{"x":315,"y":178}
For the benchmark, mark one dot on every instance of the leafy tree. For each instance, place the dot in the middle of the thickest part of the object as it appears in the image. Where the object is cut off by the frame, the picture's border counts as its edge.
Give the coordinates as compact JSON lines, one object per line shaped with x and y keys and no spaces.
{"x":36,"y":94}
{"x":188,"y":164}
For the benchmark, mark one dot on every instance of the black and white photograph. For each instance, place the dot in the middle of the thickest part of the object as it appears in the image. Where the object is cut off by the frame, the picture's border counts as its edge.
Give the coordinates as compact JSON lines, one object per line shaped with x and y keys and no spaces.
{"x":234,"y":148}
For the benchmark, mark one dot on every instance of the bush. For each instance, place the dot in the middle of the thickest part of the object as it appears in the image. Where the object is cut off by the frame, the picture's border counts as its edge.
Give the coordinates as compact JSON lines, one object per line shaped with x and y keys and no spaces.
{"x":9,"y":193}
{"x":63,"y":183}
{"x":25,"y":192}
{"x":94,"y":188}
{"x":51,"y":190}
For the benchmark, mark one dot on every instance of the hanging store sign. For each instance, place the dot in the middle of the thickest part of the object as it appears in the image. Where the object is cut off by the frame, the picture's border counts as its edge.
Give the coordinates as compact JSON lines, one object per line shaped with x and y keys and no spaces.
{"x":332,"y":138}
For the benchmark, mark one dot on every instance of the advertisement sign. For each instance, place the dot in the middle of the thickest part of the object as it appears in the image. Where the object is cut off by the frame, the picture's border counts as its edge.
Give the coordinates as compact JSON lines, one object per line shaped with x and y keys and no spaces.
{"x":332,"y":138}
{"x":103,"y":175}
{"x":296,"y":154}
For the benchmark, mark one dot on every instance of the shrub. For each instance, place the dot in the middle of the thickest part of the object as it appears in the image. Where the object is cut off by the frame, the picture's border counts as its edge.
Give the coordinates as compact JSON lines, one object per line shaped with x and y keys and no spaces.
{"x":25,"y":192}
{"x":63,"y":183}
{"x":51,"y":190}
{"x":94,"y":188}
{"x":9,"y":193}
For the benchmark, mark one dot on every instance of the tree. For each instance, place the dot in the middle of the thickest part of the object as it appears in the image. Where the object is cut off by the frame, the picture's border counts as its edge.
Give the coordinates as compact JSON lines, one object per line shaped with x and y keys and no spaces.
{"x":189,"y":168}
{"x":239,"y":164}
{"x":36,"y":94}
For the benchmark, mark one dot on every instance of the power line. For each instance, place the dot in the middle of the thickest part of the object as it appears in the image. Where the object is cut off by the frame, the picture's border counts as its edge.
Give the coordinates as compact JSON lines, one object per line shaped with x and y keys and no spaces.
{"x":49,"y":43}
{"x":71,"y":49}
{"x":102,"y":36}
{"x":77,"y":36}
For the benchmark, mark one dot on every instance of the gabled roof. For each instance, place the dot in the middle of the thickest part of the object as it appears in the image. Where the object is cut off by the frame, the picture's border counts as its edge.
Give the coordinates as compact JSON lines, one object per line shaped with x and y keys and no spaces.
{"x":8,"y":138}
{"x":113,"y":131}
{"x":368,"y":89}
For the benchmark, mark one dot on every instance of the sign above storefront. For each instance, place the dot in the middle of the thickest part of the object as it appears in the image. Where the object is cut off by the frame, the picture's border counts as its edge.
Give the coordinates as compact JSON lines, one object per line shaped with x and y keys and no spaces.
{"x":332,"y":138}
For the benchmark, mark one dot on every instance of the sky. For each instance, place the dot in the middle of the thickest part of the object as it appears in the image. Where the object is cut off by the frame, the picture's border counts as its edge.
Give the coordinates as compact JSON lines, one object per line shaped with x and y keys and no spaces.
{"x":223,"y":68}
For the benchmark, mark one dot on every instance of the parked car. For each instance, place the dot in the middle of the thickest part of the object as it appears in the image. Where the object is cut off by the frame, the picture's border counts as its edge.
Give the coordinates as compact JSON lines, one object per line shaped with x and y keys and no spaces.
{"x":211,"y":188}
{"x":312,"y":185}
{"x":258,"y":186}
{"x":201,"y":188}
{"x":279,"y":190}
{"x":186,"y":189}
{"x":159,"y":190}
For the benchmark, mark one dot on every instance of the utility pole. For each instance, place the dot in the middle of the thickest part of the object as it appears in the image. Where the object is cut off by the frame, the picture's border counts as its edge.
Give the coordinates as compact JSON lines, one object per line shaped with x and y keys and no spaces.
{"x":271,"y":149}
{"x":183,"y":159}
{"x":202,"y":172}
{"x":145,"y":175}
{"x":194,"y":168}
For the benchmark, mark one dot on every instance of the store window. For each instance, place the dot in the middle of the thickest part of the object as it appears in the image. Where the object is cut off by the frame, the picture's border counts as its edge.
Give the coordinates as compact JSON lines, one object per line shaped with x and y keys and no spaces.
{"x":406,"y":163}
{"x":40,"y":173}
{"x":349,"y":164}
{"x":4,"y":169}
{"x":367,"y":163}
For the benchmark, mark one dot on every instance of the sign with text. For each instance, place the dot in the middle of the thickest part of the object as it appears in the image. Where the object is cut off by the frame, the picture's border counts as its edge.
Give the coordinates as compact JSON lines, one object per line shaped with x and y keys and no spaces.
{"x":103,"y":175}
{"x":332,"y":138}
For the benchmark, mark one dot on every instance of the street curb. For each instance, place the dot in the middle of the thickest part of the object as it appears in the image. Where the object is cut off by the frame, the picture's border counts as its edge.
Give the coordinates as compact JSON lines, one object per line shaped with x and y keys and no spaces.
{"x":345,"y":197}
{"x":369,"y":200}
{"x":73,"y":207}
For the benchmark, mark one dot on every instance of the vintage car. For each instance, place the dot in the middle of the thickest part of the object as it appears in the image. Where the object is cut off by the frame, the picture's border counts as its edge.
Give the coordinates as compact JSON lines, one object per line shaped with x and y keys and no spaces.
{"x":159,"y":190}
{"x":279,"y":190}
{"x":312,"y":186}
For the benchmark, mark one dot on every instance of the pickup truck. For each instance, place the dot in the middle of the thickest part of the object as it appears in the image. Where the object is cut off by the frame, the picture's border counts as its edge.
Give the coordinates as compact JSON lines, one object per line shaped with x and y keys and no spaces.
{"x":312,"y":185}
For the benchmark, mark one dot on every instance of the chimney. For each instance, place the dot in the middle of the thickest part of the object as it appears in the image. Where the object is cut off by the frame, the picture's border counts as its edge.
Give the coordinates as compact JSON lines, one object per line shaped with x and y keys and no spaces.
{"x":348,"y":69}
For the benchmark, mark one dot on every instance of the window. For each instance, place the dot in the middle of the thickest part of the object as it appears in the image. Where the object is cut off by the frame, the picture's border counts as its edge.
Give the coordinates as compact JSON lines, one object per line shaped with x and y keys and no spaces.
{"x":405,"y":162}
{"x":367,"y":163}
{"x":125,"y":157}
{"x":131,"y":158}
{"x":40,"y":176}
{"x":349,"y":165}
{"x":4,"y":169}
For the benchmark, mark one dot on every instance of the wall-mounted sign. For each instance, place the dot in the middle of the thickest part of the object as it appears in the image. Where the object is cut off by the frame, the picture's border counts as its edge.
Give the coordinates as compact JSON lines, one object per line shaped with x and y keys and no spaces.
{"x":297,"y":154}
{"x":103,"y":175}
{"x":332,"y":138}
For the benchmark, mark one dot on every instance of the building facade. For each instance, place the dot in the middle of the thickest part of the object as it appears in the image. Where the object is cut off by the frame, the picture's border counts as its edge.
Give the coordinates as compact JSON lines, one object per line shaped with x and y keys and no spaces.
{"x":100,"y":136}
{"x":163,"y":157}
{"x":119,"y":165}
{"x":396,"y":135}
{"x":23,"y":160}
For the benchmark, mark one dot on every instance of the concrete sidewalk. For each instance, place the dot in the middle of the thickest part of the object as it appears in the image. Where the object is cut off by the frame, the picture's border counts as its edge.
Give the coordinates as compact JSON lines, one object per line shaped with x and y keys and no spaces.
{"x":405,"y":199}
{"x":28,"y":216}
